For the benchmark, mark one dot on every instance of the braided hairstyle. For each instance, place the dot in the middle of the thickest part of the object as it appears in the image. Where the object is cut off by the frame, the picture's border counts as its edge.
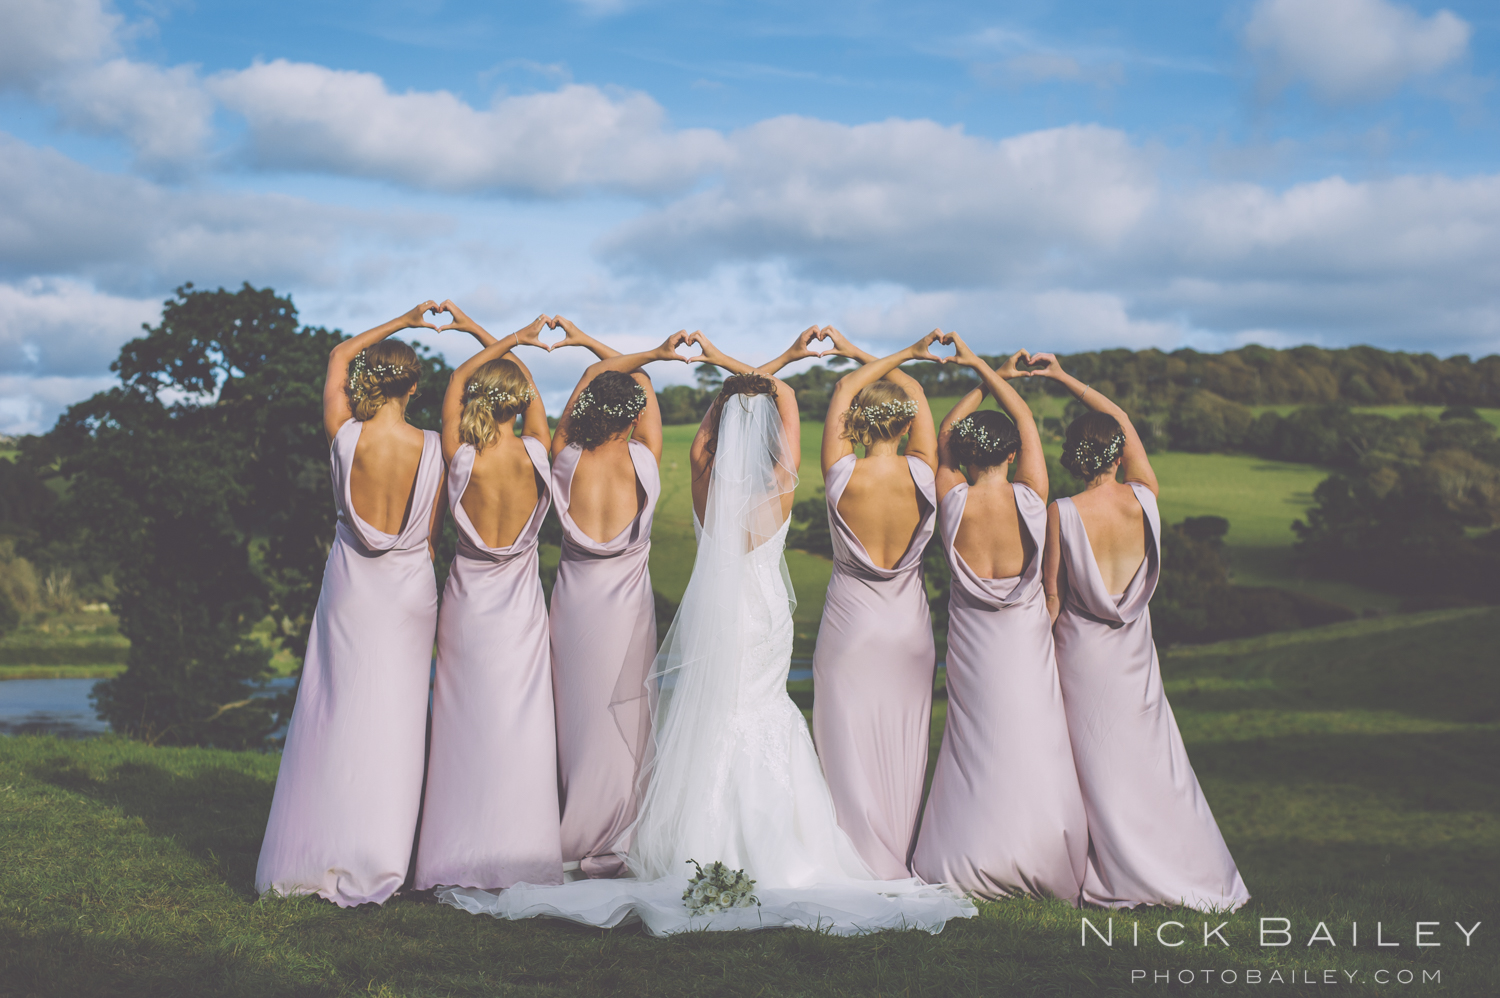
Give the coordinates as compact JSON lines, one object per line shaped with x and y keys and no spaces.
{"x":609,"y":403}
{"x":379,"y":373}
{"x":881,"y":411}
{"x":984,"y":439}
{"x":493,"y":397}
{"x":1094,"y":442}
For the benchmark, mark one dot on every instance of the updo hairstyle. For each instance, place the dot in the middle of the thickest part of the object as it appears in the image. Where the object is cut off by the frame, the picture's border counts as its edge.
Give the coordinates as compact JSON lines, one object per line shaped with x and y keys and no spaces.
{"x":495,"y":394}
{"x":609,"y":403}
{"x":735,"y":384}
{"x":1094,"y":442}
{"x":984,"y":439}
{"x":881,"y":411}
{"x":381,"y":372}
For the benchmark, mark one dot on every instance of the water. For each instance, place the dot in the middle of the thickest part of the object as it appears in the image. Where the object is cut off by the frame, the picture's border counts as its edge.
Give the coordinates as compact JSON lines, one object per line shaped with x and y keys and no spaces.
{"x":61,"y":706}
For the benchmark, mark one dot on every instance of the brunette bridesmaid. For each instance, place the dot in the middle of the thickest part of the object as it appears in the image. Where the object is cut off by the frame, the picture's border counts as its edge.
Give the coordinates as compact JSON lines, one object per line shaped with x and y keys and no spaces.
{"x":347,"y":794}
{"x":874,"y":661}
{"x":605,"y":483}
{"x":490,"y":815}
{"x":1152,"y":837}
{"x":1005,"y":815}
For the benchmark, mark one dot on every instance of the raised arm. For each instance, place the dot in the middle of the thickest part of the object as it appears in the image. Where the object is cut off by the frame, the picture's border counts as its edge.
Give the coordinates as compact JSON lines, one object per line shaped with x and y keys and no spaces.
{"x":950,"y":474}
{"x":799,"y":350}
{"x":1052,"y":563}
{"x":336,"y":411}
{"x":453,"y":402}
{"x":1133,"y":458}
{"x":922,"y":441}
{"x":648,"y":427}
{"x":709,"y":354}
{"x":1031,"y":463}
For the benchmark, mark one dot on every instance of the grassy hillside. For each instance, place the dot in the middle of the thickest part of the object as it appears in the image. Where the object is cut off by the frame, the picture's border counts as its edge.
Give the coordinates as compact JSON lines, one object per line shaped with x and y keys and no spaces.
{"x":1354,"y":770}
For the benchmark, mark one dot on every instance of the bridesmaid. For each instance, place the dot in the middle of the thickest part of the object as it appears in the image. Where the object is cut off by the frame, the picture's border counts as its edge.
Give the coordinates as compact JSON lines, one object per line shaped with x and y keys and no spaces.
{"x":1005,"y":815}
{"x":490,"y":816}
{"x":874,"y":661}
{"x":1152,"y":837}
{"x":605,"y":483}
{"x":347,"y":795}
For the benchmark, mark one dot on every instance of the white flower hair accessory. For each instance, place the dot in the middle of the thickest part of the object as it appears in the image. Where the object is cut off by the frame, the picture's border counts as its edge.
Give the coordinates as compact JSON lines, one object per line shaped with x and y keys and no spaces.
{"x":1093,"y":459}
{"x":497,"y":397}
{"x":969,"y":430}
{"x":627,"y":410}
{"x":895,"y":408}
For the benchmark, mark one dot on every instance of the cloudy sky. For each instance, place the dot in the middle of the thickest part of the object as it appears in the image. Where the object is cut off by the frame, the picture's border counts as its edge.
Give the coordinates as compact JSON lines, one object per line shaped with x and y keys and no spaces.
{"x":1041,"y":174}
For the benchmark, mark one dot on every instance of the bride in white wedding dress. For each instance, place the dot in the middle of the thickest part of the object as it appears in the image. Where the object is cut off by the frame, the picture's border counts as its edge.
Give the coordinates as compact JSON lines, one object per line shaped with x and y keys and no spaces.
{"x":733,"y":775}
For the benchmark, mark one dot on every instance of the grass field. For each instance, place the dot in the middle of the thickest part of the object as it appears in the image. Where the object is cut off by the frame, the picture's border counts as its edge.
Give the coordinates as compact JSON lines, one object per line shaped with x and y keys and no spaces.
{"x":1354,"y":770}
{"x":1393,"y":411}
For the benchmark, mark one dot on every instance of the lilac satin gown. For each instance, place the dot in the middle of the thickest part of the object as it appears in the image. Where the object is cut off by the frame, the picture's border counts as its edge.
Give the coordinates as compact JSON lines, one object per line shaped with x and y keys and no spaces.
{"x":350,"y":782}
{"x":1152,"y":837}
{"x":1005,"y":815}
{"x":872,"y":677}
{"x":490,"y":817}
{"x":603,"y":644}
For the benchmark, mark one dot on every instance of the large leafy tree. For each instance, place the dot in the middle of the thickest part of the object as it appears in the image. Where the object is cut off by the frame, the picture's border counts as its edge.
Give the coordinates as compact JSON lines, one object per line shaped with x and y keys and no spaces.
{"x":203,"y":477}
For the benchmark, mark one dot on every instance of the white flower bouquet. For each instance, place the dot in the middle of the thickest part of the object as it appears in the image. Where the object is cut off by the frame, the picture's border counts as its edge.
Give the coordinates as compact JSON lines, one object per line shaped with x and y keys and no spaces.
{"x":718,"y":889}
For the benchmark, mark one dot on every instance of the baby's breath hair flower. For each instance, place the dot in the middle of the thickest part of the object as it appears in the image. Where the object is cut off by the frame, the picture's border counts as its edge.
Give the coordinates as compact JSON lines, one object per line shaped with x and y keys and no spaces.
{"x":971,"y":432}
{"x":893,"y":409}
{"x":627,"y":410}
{"x":497,"y":397}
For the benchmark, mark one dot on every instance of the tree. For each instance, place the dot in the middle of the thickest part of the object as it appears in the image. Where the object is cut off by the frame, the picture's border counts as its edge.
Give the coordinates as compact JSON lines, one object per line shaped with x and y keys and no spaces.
{"x":203,"y":478}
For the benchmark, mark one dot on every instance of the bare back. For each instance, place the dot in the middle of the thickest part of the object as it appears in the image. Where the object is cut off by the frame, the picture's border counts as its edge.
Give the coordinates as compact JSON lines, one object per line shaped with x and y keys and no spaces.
{"x":502,"y":491}
{"x":880,"y":504}
{"x":383,"y":476}
{"x":990,"y":539}
{"x":606,"y":495}
{"x":1116,"y":525}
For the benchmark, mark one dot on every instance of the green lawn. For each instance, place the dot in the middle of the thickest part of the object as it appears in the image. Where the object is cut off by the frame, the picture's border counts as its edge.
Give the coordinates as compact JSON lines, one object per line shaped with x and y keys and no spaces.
{"x":1354,"y":770}
{"x":70,"y":645}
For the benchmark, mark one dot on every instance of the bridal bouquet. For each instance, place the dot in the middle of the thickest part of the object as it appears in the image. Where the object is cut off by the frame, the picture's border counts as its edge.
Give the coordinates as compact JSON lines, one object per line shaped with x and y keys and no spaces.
{"x":718,"y":889}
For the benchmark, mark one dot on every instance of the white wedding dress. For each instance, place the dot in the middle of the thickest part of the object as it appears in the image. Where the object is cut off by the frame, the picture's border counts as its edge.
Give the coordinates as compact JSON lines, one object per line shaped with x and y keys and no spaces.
{"x":733,"y":775}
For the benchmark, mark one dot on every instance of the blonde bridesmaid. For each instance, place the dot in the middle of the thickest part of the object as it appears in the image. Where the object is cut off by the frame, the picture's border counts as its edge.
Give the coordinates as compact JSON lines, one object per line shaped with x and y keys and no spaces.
{"x":1005,"y":815}
{"x":606,"y":478}
{"x":874,"y":661}
{"x":490,"y":815}
{"x":1152,"y":837}
{"x":350,"y":784}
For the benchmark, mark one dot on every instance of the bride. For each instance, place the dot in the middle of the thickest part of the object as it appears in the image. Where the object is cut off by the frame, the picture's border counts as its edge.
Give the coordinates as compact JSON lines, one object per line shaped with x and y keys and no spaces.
{"x":732,"y":775}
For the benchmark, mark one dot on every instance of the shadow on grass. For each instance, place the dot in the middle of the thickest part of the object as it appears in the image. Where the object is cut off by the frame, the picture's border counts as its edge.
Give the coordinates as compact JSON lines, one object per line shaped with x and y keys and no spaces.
{"x":217,"y":813}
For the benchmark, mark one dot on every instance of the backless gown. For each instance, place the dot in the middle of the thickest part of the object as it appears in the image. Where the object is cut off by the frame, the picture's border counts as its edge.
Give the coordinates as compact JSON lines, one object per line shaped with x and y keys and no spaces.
{"x":350,"y":783}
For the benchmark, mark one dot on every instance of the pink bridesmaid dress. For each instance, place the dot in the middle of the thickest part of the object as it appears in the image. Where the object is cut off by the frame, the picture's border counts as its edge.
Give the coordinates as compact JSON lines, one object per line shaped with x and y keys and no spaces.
{"x":603,"y":644}
{"x":490,"y":817}
{"x":1005,"y":815}
{"x":872,"y":682}
{"x":1152,"y":837}
{"x":350,"y":783}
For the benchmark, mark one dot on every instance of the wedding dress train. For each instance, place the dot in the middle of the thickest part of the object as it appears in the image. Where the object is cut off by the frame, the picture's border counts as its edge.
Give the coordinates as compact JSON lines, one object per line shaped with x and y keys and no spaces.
{"x":732,"y":774}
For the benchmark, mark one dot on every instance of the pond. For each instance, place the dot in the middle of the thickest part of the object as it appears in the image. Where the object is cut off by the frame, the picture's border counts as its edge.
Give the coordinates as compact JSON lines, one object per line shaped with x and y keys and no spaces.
{"x":61,"y":707}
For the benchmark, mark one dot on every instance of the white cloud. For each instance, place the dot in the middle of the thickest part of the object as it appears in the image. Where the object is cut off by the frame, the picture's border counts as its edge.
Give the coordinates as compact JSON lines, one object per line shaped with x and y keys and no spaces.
{"x":309,"y":117}
{"x":43,"y":37}
{"x":911,"y":201}
{"x":1350,"y":50}
{"x":165,"y":114}
{"x":60,"y":217}
{"x":55,"y":327}
{"x":32,"y":405}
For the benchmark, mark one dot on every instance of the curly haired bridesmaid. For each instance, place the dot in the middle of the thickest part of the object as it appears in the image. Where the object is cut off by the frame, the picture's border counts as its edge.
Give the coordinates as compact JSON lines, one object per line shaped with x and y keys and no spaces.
{"x":1152,"y":837}
{"x":350,"y":783}
{"x":490,"y":816}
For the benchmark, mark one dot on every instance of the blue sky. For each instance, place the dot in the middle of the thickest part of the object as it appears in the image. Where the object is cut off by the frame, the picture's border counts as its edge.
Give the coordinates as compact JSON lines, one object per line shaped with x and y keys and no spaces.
{"x":1050,"y":175}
